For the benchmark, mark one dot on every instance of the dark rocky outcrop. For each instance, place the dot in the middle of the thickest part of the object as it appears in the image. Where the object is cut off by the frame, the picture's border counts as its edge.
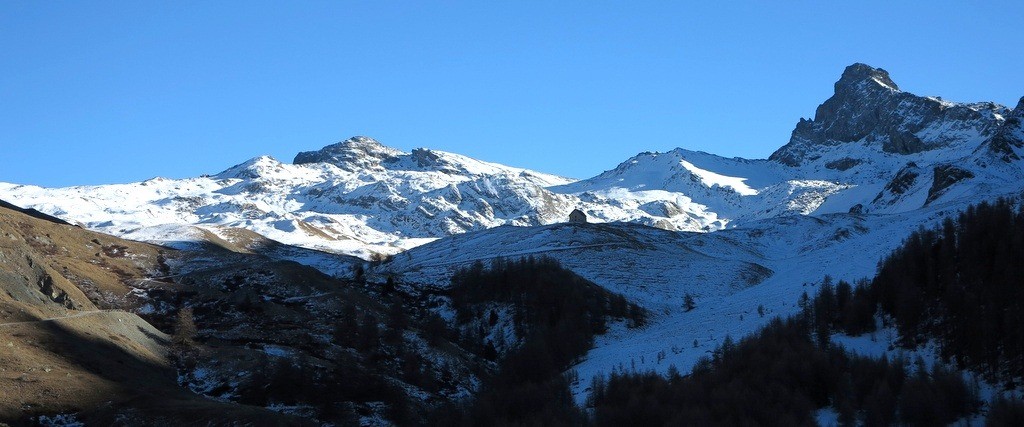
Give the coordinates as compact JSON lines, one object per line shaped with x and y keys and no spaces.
{"x":903,"y":143}
{"x":1010,"y":135}
{"x":944,"y":177}
{"x":868,"y":107}
{"x":843,"y":164}
{"x":905,"y":178}
{"x":429,"y":160}
{"x":361,"y":153}
{"x":357,"y":152}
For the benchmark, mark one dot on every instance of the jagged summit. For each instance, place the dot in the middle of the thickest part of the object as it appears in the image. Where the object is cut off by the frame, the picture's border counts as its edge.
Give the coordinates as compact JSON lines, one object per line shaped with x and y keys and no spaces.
{"x":871,"y":118}
{"x":859,"y":73}
{"x":350,"y":154}
{"x":1009,"y":139}
{"x":365,"y":155}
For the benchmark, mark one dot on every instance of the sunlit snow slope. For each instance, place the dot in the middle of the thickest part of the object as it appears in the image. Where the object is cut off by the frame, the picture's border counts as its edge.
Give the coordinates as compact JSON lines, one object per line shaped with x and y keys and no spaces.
{"x":870,"y":148}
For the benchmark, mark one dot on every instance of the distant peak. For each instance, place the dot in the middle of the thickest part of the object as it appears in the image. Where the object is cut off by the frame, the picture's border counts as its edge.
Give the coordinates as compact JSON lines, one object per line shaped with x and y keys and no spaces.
{"x":259,"y":161}
{"x":360,"y":140}
{"x":859,"y":73}
{"x":262,"y":159}
{"x":352,"y":153}
{"x":251,"y":168}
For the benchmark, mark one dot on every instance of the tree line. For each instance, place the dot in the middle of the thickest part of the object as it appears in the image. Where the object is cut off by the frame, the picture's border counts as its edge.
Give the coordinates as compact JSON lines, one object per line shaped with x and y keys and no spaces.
{"x":960,"y":284}
{"x":556,"y":315}
{"x":781,"y":376}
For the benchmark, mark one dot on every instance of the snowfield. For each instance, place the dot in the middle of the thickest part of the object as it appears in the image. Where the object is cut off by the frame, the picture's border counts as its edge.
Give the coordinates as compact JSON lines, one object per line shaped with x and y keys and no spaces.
{"x":733,"y":274}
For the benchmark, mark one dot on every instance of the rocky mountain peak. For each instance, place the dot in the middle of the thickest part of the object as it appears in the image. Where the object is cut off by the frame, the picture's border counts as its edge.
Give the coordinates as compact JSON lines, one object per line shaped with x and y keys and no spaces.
{"x":854,"y":76}
{"x":869,"y":112}
{"x":357,"y":152}
{"x":362,"y":142}
{"x":1009,"y":139}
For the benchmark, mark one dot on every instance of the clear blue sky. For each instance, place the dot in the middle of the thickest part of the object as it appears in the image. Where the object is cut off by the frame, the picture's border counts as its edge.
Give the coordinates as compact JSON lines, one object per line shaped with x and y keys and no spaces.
{"x":105,"y":92}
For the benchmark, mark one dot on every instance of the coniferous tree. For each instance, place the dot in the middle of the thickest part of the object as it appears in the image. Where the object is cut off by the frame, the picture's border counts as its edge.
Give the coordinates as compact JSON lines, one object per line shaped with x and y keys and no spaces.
{"x":960,"y":284}
{"x":185,"y":327}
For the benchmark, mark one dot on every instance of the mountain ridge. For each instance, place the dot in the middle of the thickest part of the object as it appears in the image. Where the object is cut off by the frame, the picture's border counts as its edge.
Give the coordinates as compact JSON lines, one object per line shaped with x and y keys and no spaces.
{"x":868,"y":107}
{"x":871,"y":147}
{"x":873,"y":165}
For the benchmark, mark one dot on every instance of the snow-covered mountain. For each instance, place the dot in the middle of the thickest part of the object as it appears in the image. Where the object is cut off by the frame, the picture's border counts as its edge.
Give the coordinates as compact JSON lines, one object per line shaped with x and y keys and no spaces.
{"x":868,"y":111}
{"x":870,"y":148}
{"x":863,"y":193}
{"x":903,"y":151}
{"x":360,"y":197}
{"x":695,"y":191}
{"x":744,"y":238}
{"x":356,"y":196}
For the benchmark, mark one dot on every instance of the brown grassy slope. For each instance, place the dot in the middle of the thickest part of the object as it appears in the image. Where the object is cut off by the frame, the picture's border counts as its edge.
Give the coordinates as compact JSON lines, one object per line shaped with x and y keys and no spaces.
{"x":102,"y":362}
{"x":110,"y":367}
{"x":49,"y":269}
{"x":75,"y":363}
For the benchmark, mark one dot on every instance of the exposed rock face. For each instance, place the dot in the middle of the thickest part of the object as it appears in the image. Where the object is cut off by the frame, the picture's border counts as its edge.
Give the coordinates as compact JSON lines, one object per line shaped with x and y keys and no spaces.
{"x":903,"y":181}
{"x":358,"y":152}
{"x":944,"y":176}
{"x":843,"y":164}
{"x":1010,"y":137}
{"x":869,"y":108}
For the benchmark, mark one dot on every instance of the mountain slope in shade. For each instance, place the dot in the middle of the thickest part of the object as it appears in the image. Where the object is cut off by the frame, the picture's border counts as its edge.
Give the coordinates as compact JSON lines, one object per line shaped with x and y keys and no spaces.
{"x":740,"y":278}
{"x":652,"y":266}
{"x":69,"y":342}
